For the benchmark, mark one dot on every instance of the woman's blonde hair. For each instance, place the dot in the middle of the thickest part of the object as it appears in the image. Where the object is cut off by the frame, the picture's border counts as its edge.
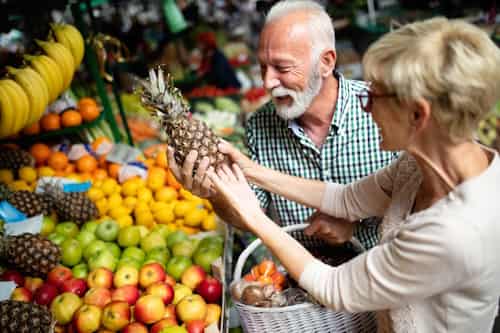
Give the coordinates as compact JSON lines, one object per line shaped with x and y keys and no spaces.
{"x":452,"y":64}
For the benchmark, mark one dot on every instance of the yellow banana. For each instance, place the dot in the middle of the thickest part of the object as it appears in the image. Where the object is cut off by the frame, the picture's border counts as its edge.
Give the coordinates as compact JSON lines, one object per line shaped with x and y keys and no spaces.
{"x":20,"y":103}
{"x":50,"y":73}
{"x":70,"y":37}
{"x":35,"y":88}
{"x":6,"y":114}
{"x":62,"y":56}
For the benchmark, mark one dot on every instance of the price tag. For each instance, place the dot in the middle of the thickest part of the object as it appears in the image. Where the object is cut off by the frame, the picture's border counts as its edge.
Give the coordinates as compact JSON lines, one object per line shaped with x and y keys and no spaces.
{"x":9,"y":213}
{"x":6,"y":289}
{"x":123,"y":154}
{"x":32,"y":225}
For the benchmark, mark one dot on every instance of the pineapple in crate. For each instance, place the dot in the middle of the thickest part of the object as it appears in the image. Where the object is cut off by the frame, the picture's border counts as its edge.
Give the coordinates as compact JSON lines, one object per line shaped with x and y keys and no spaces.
{"x":14,"y":159}
{"x":184,"y":133}
{"x":73,"y":206}
{"x":23,"y":317}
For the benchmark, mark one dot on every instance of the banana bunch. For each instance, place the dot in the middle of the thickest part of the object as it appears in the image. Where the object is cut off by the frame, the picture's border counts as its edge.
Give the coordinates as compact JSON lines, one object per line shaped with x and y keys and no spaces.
{"x":69,"y":36}
{"x":49,"y":71}
{"x":14,"y":107}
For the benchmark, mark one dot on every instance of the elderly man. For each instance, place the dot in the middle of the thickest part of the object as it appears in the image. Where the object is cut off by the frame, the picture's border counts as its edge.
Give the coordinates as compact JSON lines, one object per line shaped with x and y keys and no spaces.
{"x":313,"y":128}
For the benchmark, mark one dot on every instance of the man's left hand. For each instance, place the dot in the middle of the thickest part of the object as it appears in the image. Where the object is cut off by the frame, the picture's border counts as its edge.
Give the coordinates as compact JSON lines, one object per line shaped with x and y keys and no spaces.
{"x":333,"y":230}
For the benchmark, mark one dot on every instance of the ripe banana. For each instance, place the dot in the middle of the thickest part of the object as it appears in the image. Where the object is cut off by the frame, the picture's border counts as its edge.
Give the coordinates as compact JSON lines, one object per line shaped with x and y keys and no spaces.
{"x":6,"y":114}
{"x":35,"y":88}
{"x":70,"y":37}
{"x":50,"y":73}
{"x":20,"y":102}
{"x":63,"y":57}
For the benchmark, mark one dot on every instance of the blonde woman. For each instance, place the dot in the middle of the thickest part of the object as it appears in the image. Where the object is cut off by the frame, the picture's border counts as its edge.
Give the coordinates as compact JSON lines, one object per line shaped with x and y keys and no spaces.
{"x":436,"y":268}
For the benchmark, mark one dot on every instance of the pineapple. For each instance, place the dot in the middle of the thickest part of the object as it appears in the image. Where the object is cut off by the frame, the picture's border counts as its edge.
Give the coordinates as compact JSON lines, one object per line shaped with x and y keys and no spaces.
{"x":23,"y":317}
{"x":31,"y":254}
{"x":183,"y":132}
{"x":14,"y":159}
{"x":30,"y":203}
{"x":74,"y":206}
{"x":4,"y":191}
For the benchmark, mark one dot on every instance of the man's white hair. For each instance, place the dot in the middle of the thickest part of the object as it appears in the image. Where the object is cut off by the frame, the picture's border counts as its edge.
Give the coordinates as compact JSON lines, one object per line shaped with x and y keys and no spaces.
{"x":320,"y":24}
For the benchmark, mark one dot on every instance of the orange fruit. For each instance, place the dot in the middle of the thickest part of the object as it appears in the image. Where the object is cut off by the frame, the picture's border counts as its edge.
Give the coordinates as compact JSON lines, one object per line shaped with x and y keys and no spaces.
{"x":100,"y":174}
{"x":71,"y":118}
{"x":50,"y":122}
{"x":113,"y":170}
{"x":58,"y":161}
{"x":161,"y":159}
{"x":32,"y":129}
{"x":87,"y":101}
{"x":88,"y":108}
{"x":70,"y":168}
{"x":41,"y":152}
{"x":102,"y":162}
{"x":86,"y":163}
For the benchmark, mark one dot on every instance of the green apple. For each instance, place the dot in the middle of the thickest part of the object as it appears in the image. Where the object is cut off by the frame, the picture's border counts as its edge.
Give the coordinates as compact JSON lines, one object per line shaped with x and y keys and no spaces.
{"x":129,"y":261}
{"x":56,"y":238}
{"x":48,"y":225}
{"x":114,"y":249}
{"x":107,"y":230}
{"x":151,"y":261}
{"x":205,"y":258}
{"x":104,"y":259}
{"x":135,"y":253}
{"x":152,"y":240}
{"x":176,"y":237}
{"x":143,"y":230}
{"x":90,"y":226}
{"x":177,"y":265}
{"x":163,"y":229}
{"x":129,"y":236}
{"x":174,"y":329}
{"x":184,"y":248}
{"x":94,"y":248}
{"x":159,"y":254}
{"x":68,"y":229}
{"x":80,"y":271}
{"x":71,"y":252}
{"x":64,"y":306}
{"x":211,"y":241}
{"x":85,"y":237}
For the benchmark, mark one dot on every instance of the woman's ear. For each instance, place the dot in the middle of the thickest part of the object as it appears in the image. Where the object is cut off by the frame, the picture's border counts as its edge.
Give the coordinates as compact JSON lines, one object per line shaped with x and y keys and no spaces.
{"x":327,"y":62}
{"x":421,"y":114}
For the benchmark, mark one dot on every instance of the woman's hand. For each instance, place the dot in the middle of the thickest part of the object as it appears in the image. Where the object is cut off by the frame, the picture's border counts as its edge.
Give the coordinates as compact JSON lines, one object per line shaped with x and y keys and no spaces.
{"x":333,"y":230}
{"x":246,"y":165}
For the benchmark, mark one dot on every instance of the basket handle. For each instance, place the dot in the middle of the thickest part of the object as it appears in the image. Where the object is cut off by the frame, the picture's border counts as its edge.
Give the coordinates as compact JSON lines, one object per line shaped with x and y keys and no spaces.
{"x":250,"y":248}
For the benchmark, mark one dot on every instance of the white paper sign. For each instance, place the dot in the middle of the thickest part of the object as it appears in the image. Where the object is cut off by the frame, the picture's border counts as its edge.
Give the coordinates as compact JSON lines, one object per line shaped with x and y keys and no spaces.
{"x":33,"y":225}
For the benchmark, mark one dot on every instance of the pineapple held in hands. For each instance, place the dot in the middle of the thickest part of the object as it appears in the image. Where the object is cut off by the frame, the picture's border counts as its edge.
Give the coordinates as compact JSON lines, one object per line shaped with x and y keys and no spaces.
{"x":184,"y":133}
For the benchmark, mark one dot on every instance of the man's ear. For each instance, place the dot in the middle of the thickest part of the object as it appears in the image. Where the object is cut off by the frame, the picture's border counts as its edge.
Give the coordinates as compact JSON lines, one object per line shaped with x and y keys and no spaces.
{"x":421,"y":114}
{"x":327,"y":62}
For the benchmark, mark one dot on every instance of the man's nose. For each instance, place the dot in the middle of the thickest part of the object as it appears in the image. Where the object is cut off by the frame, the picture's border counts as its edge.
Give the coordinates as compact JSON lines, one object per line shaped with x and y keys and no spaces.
{"x":271,"y":81}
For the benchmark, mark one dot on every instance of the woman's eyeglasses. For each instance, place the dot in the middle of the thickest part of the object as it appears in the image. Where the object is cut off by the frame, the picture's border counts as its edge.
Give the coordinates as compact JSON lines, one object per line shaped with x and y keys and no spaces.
{"x":366,"y":99}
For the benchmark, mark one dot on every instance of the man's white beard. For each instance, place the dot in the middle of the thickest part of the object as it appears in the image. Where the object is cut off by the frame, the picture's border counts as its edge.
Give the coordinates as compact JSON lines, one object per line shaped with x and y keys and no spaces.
{"x":301,"y":100}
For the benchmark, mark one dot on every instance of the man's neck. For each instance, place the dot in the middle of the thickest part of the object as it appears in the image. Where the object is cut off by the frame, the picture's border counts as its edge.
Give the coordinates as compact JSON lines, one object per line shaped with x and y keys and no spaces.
{"x":317,"y":119}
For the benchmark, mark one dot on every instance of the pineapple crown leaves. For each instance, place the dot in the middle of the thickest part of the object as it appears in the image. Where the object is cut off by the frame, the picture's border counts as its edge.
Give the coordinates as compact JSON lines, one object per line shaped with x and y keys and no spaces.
{"x":159,"y":95}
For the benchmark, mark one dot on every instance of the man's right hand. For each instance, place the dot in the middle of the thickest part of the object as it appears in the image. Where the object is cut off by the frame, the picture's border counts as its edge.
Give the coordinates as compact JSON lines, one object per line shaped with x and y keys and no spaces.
{"x":333,"y":230}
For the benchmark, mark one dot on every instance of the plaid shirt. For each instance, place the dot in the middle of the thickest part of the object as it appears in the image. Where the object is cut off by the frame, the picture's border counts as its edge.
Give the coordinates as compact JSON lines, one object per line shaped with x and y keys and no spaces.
{"x":350,"y":152}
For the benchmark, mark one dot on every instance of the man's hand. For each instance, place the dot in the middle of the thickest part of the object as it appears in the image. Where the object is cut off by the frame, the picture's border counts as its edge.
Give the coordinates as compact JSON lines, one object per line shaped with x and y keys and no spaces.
{"x":236,"y":156}
{"x":334,"y":231}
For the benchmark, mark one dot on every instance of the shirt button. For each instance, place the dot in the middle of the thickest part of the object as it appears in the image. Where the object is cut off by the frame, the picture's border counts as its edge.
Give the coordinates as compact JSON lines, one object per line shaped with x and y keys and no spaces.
{"x":327,"y":174}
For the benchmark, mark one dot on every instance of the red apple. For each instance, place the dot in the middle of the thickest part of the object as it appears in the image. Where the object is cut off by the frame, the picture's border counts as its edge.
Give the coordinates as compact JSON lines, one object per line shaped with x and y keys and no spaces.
{"x":170,"y":280}
{"x":126,"y":275}
{"x":77,"y":286}
{"x":170,"y":312}
{"x":99,"y":297}
{"x":210,"y":289}
{"x":100,"y":277}
{"x":116,"y":315}
{"x":135,"y":327}
{"x":14,"y":276}
{"x":162,"y":289}
{"x":21,"y":294}
{"x":149,"y":309}
{"x":158,"y":326}
{"x":193,"y":276}
{"x":45,"y":294}
{"x":58,"y":275}
{"x":195,"y":326}
{"x":33,"y":283}
{"x":128,"y":294}
{"x":151,"y":273}
{"x":87,"y":319}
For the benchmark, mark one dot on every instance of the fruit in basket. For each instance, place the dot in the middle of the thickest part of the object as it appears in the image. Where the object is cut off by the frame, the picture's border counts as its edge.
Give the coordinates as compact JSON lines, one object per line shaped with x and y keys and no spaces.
{"x":72,"y":39}
{"x":73,"y":206}
{"x":30,"y":203}
{"x":64,"y":306}
{"x":116,"y":315}
{"x":14,"y":159}
{"x":210,"y":289}
{"x":89,"y":111}
{"x":63,"y":57}
{"x":29,"y":317}
{"x":184,"y":133}
{"x":191,"y":307}
{"x":149,"y":309}
{"x":15,"y":111}
{"x":49,"y":71}
{"x":58,"y":161}
{"x":21,"y":294}
{"x":70,"y":118}
{"x":31,"y":254}
{"x":87,"y":319}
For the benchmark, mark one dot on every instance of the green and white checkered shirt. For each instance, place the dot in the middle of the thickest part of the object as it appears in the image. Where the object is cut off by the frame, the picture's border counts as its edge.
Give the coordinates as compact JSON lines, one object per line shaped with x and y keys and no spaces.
{"x":350,"y":152}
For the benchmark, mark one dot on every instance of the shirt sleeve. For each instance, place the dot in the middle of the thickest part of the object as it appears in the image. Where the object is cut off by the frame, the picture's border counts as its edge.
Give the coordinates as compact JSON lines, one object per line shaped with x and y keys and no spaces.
{"x":422,"y":260}
{"x":369,"y":196}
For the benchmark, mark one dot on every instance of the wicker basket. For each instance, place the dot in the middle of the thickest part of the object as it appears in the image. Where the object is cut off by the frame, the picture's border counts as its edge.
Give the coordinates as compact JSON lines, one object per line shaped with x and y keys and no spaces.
{"x":300,"y":318}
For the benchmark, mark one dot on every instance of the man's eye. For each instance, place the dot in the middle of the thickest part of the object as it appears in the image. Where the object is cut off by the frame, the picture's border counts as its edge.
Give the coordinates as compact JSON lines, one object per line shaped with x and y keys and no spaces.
{"x":282,"y":69}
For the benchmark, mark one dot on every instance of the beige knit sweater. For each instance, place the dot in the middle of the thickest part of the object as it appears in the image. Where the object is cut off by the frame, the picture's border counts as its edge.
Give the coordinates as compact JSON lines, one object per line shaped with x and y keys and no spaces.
{"x":437,"y":270}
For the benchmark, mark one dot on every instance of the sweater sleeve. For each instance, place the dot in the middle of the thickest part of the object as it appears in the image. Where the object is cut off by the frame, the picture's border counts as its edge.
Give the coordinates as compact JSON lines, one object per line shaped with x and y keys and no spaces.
{"x":422,"y":260}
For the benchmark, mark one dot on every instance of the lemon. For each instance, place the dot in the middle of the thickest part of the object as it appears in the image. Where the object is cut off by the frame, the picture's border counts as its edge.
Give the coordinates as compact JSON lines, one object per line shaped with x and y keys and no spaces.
{"x":155,"y":183}
{"x":130,"y":202}
{"x":28,"y":174}
{"x":164,"y":216}
{"x":141,"y":183}
{"x":209,"y":223}
{"x":166,"y":194}
{"x":74,"y":176}
{"x":208,"y":205}
{"x":95,"y":194}
{"x":188,"y":230}
{"x":46,"y":171}
{"x":102,"y":206}
{"x":19,"y":185}
{"x":159,"y":205}
{"x":118,"y":211}
{"x":114,"y":200}
{"x":182,"y":207}
{"x":108,"y":186}
{"x":144,"y":194}
{"x":194,"y":217}
{"x":172,"y":227}
{"x":144,"y":218}
{"x":129,"y":188}
{"x":124,"y":221}
{"x":186,"y":194}
{"x":97,"y":183}
{"x":6,"y":176}
{"x":141,"y":206}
